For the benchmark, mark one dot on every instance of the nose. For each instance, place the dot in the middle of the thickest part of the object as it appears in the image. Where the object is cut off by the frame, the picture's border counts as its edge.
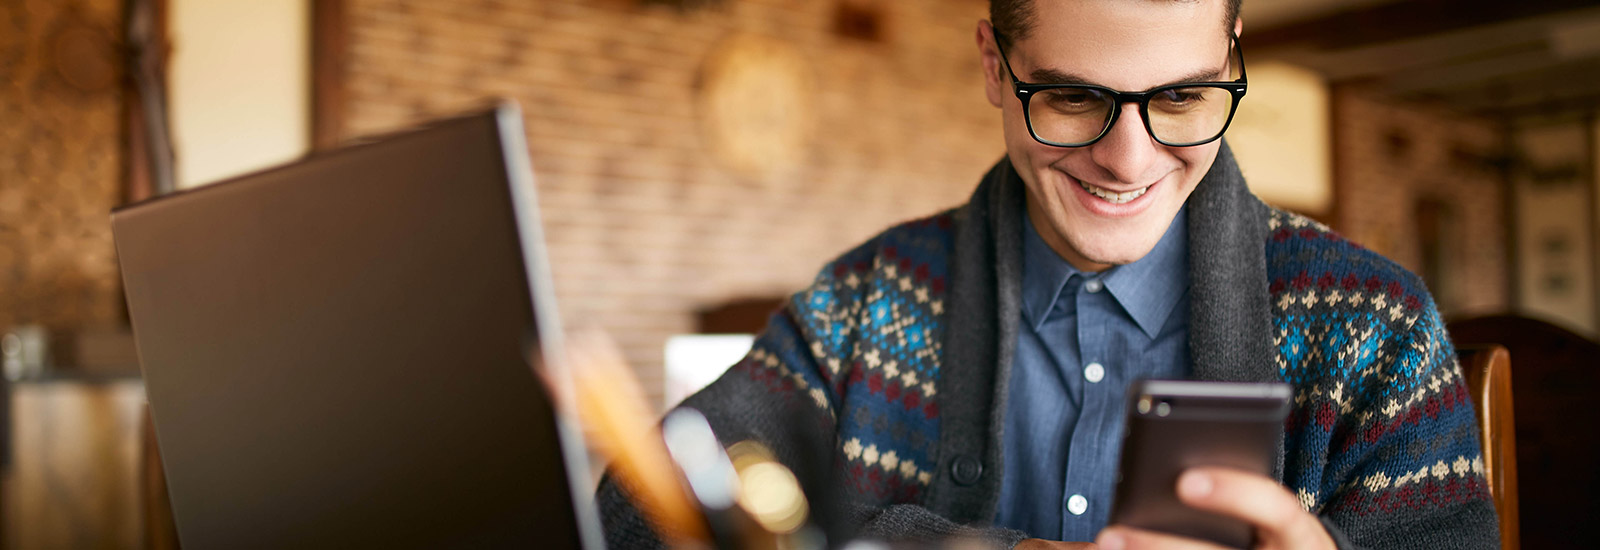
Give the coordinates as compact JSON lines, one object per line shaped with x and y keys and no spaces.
{"x":1127,"y":151}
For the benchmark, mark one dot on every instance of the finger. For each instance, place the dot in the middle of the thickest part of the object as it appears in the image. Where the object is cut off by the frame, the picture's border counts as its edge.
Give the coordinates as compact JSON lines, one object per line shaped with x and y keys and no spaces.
{"x":1127,"y":538}
{"x":1031,"y":544}
{"x":1276,"y":513}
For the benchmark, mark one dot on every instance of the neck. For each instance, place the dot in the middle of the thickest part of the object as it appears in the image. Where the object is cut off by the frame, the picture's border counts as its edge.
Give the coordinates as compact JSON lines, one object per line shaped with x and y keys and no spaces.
{"x":1041,"y":225}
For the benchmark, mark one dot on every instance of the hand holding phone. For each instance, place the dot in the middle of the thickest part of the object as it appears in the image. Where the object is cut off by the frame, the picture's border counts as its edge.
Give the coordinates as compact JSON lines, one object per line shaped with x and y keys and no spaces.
{"x":1177,"y":425}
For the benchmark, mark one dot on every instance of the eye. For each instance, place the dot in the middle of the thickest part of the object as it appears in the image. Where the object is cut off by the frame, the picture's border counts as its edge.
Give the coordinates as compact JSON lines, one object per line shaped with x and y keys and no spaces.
{"x":1182,"y":100}
{"x":1181,"y":96}
{"x":1072,"y":97}
{"x":1074,"y":100}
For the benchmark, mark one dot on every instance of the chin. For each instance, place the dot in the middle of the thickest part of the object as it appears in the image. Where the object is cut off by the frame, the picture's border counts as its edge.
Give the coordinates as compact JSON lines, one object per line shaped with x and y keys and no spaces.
{"x":1116,"y":253}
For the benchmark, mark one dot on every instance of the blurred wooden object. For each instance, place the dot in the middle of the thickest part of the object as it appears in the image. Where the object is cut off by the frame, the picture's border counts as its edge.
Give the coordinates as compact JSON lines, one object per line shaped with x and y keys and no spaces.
{"x":329,"y":55}
{"x":1554,"y":383}
{"x":619,"y":425}
{"x":73,"y":482}
{"x":150,"y":157}
{"x":160,"y":529}
{"x":747,"y":316}
{"x":5,"y":461}
{"x":1488,"y":373}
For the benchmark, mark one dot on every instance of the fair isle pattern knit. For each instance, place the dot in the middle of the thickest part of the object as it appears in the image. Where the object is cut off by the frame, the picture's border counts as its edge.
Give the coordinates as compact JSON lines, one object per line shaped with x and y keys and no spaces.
{"x":875,"y":321}
{"x":1360,"y":340}
{"x":1357,"y":337}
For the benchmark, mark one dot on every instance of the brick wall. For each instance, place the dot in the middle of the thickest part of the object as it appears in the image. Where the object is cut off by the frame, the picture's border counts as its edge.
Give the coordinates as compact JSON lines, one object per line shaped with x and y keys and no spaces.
{"x":645,"y":226}
{"x":1387,"y":157}
{"x":60,"y":162}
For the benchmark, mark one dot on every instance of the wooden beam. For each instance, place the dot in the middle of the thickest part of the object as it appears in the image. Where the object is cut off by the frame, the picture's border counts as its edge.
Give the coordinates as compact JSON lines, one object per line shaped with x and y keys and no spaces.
{"x":1468,"y":74}
{"x":1550,"y":109}
{"x":1593,"y":175}
{"x":149,"y":167}
{"x":1508,"y":217}
{"x":1575,"y":81}
{"x":1419,"y":52}
{"x":328,"y":56}
{"x":1400,"y":20}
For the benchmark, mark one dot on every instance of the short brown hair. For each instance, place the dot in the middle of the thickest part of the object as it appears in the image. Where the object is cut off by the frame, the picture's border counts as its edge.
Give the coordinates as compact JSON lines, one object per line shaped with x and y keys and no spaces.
{"x":1014,"y":18}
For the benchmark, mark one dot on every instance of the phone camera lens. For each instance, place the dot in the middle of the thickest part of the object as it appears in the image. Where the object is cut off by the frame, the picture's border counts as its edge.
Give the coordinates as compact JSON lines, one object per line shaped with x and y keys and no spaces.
{"x":1163,"y":409}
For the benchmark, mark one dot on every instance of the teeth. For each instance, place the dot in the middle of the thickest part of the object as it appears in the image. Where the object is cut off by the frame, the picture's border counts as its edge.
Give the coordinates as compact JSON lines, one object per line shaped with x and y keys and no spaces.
{"x":1113,"y":198}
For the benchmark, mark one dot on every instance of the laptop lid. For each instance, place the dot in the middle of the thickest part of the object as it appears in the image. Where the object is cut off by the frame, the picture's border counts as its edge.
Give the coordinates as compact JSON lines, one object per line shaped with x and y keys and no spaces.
{"x":343,"y":351}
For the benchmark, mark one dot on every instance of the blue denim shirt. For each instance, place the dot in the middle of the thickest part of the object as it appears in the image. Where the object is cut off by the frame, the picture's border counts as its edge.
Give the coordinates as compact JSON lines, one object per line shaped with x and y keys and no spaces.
{"x":1083,"y":338}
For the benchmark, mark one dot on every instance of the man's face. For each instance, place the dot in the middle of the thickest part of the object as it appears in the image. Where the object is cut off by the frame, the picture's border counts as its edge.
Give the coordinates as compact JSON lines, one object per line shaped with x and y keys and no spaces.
{"x":1128,"y":45}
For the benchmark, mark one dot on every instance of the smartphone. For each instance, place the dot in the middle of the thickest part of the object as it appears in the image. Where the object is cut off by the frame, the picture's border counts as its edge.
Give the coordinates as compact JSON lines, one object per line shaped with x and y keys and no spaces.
{"x":1174,"y":425}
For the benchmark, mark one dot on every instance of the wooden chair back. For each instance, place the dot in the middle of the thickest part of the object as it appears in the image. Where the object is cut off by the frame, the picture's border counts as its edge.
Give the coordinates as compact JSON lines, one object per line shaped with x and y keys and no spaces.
{"x":1488,"y":373}
{"x":1555,"y":380}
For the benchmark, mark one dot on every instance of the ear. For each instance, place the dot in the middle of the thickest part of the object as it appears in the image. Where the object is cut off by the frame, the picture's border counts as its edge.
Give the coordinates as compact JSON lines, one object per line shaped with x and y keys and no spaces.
{"x":1238,"y":26}
{"x":993,"y":87}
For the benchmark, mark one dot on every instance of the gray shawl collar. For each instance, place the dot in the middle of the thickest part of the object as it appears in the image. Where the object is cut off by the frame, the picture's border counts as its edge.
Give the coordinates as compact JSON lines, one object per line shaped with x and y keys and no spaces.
{"x":1229,"y":329}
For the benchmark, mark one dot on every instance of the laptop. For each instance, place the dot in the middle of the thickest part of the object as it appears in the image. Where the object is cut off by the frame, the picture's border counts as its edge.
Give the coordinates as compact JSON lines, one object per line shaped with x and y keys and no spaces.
{"x":346,"y":351}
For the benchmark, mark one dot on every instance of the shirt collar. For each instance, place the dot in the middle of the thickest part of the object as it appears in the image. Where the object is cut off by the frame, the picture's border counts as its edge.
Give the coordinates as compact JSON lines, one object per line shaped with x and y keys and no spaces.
{"x":1148,"y":289}
{"x":1044,"y":274}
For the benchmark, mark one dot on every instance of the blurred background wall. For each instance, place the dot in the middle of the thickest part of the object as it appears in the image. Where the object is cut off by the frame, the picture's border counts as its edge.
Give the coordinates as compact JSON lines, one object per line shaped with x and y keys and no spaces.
{"x":688,"y":157}
{"x":70,"y":442}
{"x":240,"y":85}
{"x":60,"y":162}
{"x":1406,"y":170}
{"x":67,"y":453}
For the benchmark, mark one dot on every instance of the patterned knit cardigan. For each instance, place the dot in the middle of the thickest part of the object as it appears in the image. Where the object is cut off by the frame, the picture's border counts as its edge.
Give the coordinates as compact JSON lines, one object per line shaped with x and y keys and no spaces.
{"x":892,"y":366}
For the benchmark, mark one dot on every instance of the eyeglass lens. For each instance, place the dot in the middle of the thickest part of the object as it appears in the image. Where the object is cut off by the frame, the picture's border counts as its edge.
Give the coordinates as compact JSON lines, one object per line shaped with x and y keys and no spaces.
{"x":1176,"y":116}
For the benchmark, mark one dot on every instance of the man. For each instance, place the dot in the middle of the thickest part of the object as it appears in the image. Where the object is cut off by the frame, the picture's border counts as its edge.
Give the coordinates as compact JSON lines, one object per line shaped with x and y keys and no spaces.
{"x":968,"y":369}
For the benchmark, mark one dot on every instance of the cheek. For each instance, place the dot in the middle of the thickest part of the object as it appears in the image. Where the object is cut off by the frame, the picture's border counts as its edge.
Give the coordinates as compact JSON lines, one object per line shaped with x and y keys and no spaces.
{"x":1045,"y":157}
{"x":1197,"y":160}
{"x":1016,"y":130}
{"x":1192,"y":165}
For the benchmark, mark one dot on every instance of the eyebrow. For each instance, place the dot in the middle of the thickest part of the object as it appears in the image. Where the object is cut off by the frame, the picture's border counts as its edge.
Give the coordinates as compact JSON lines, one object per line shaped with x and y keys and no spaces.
{"x":1052,"y":76}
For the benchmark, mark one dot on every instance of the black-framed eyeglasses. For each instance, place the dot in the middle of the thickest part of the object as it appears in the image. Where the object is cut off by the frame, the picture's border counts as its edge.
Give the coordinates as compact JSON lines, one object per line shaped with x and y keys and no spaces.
{"x":1176,"y":115}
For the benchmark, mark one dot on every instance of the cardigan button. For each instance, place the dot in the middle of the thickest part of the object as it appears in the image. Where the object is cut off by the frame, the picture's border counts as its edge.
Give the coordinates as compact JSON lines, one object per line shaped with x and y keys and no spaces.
{"x":966,"y":470}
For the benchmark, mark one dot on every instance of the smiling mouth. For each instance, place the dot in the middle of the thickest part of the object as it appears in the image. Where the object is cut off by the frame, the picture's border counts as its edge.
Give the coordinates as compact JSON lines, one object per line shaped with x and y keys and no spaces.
{"x":1112,"y":197}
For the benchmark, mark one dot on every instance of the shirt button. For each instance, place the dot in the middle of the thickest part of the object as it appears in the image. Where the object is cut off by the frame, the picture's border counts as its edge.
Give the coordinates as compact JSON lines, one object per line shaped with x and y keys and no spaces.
{"x":1077,"y":505}
{"x":1094,"y":373}
{"x":1093,"y":285}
